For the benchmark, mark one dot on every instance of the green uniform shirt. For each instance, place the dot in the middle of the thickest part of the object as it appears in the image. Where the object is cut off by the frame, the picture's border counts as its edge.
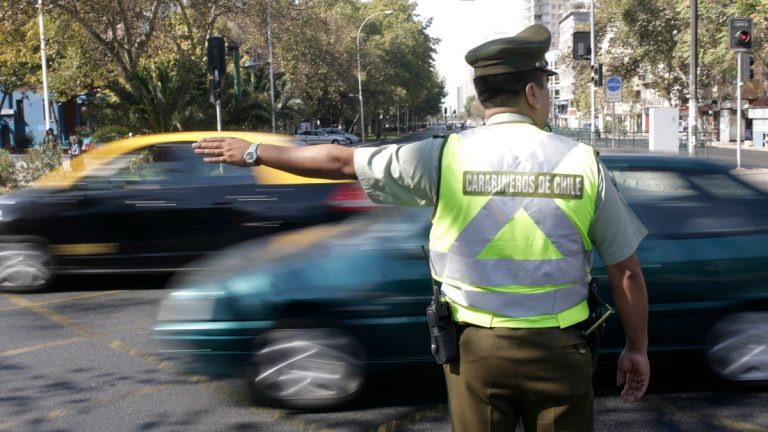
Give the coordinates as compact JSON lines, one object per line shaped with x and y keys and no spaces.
{"x":407,"y":175}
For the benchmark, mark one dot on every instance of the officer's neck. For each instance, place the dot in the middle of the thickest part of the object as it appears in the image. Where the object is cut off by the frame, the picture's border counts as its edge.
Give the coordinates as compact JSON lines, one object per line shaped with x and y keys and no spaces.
{"x":490,"y":112}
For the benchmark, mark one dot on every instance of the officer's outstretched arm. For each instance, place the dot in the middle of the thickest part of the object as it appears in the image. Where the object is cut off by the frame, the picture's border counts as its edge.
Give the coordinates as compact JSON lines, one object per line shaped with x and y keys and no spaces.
{"x":631,"y":297}
{"x":327,"y":161}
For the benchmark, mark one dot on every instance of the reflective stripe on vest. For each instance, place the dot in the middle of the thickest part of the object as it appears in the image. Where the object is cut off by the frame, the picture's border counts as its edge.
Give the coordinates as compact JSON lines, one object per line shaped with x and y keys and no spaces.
{"x":489,"y":282}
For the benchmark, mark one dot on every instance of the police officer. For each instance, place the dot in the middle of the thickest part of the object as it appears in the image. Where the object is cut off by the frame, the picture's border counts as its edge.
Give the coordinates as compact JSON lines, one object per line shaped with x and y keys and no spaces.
{"x":517,"y":213}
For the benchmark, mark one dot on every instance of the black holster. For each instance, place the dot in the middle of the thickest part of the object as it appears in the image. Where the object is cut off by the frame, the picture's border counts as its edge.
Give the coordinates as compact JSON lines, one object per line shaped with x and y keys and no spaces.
{"x":594,"y":326}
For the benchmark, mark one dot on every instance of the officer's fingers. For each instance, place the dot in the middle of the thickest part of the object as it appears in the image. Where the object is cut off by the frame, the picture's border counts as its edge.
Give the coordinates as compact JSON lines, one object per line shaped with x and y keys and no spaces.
{"x":209,"y":142}
{"x":620,"y":376}
{"x":634,"y":388}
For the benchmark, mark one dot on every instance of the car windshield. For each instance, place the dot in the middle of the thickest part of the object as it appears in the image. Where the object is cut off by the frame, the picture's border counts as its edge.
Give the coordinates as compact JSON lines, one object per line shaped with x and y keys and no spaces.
{"x":660,"y":185}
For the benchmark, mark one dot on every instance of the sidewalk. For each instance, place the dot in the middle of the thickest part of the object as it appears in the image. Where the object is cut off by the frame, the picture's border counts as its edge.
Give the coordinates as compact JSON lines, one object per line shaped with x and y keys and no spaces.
{"x":746,"y":145}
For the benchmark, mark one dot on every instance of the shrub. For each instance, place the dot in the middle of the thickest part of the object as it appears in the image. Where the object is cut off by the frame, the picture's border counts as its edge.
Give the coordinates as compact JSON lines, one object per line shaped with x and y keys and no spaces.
{"x":38,"y":163}
{"x":9,"y":178}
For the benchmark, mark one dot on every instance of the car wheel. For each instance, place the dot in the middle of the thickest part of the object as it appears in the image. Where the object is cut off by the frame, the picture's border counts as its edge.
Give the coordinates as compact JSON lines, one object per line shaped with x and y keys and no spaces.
{"x":24,"y":267}
{"x":738,"y":347}
{"x":306,"y":368}
{"x":335,"y":141}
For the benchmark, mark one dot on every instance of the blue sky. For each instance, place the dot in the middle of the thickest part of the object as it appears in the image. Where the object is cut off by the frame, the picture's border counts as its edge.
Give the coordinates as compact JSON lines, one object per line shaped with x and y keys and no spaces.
{"x":464,"y":24}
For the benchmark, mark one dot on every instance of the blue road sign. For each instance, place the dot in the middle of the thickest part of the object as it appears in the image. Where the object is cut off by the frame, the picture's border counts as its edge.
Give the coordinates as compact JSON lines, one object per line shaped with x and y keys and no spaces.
{"x":613,"y":84}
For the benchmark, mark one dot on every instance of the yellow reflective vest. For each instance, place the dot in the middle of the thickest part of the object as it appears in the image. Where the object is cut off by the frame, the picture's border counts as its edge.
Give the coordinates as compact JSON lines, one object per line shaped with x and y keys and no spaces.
{"x":509,"y":239}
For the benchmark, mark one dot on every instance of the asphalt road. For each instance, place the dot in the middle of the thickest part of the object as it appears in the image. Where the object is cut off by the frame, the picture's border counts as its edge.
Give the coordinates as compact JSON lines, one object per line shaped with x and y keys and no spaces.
{"x":82,"y":358}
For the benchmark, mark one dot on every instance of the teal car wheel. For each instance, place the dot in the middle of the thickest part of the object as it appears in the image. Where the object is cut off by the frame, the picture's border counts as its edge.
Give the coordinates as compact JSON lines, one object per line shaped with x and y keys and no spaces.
{"x":738,"y":347}
{"x":306,"y":368}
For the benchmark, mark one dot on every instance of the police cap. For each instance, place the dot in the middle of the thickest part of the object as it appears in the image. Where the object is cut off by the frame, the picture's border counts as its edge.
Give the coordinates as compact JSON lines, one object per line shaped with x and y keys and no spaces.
{"x":521,"y":52}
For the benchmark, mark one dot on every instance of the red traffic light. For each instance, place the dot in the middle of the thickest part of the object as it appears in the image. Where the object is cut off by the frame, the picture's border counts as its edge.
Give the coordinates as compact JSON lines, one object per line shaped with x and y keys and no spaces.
{"x":744,"y":39}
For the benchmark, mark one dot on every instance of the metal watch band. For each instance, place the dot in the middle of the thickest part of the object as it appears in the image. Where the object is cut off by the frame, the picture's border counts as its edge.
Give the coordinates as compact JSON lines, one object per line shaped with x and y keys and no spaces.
{"x":252,"y":150}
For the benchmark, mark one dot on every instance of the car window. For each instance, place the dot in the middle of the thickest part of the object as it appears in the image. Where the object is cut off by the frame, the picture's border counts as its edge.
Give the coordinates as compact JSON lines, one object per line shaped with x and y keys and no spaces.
{"x":690,"y":203}
{"x":162,"y":164}
{"x":651,"y":185}
{"x":723,"y":186}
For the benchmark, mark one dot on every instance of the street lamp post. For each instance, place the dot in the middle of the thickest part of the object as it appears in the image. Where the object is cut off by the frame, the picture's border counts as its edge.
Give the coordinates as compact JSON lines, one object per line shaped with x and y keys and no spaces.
{"x":46,"y":102}
{"x":359,"y":71}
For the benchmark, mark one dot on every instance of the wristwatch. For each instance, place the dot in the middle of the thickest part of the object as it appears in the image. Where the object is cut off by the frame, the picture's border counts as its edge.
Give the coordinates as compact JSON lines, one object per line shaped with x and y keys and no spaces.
{"x":251,"y":157}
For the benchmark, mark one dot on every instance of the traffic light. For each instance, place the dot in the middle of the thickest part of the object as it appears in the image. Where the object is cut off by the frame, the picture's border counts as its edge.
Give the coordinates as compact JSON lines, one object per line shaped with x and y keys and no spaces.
{"x":216,"y":61}
{"x":747,"y":73}
{"x":217,"y":66}
{"x":740,"y":33}
{"x":597,"y":75}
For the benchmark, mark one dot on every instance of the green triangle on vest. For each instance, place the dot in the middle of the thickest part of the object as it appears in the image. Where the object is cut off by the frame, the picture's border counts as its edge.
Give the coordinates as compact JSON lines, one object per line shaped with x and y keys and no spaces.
{"x":520,"y":239}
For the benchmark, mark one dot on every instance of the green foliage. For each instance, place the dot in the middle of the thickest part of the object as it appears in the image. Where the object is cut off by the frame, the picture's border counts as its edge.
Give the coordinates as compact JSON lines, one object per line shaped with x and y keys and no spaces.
{"x":109,"y":132}
{"x":9,"y":179}
{"x":145,"y":60}
{"x":650,"y":41}
{"x":170,"y":97}
{"x":24,"y":141}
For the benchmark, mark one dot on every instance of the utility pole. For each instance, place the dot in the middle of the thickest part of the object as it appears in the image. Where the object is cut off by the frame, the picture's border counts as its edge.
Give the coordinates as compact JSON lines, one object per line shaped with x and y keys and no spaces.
{"x":692,"y":98}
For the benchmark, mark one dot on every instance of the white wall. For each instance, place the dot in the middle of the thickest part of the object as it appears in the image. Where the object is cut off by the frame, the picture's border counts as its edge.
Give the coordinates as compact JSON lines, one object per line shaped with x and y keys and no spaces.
{"x":663,"y":135}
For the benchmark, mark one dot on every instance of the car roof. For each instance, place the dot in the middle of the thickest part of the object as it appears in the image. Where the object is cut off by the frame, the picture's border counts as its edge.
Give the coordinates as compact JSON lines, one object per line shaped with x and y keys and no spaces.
{"x":61,"y":178}
{"x":660,"y":161}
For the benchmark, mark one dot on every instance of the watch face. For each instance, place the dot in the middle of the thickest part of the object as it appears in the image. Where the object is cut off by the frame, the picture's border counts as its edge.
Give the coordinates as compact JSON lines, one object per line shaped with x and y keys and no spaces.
{"x":250,"y":156}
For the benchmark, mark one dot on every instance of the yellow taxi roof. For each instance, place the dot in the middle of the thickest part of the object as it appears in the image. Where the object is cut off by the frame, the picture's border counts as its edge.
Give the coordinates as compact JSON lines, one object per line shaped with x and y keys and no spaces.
{"x":63,"y":178}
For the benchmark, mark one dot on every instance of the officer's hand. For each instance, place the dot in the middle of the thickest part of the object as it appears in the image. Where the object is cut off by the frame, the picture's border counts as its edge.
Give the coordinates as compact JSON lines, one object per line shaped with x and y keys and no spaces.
{"x":222,"y":150}
{"x":634,"y":373}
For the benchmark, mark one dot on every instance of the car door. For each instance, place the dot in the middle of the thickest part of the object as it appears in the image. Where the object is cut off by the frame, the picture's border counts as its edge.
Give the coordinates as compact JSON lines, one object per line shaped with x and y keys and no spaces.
{"x":702,"y":258}
{"x":153,"y":208}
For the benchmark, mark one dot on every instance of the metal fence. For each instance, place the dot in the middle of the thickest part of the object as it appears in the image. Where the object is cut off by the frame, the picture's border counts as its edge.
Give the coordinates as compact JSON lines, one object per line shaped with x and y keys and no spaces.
{"x":626,"y":141}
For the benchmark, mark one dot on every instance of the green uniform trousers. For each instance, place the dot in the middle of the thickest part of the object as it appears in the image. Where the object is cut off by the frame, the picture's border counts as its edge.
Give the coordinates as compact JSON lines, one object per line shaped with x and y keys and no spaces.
{"x":503,"y":375}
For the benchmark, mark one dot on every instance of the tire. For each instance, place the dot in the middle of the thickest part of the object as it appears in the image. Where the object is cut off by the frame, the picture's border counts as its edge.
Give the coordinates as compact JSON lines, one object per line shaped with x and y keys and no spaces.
{"x":738,"y":347}
{"x":315,"y":368}
{"x":335,"y":141}
{"x":25,"y":267}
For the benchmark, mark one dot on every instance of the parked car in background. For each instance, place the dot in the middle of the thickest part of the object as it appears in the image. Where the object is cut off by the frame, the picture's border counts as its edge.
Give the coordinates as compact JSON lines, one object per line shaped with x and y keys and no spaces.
{"x":307,"y":314}
{"x":150,"y":204}
{"x":309,"y":137}
{"x":351,"y":139}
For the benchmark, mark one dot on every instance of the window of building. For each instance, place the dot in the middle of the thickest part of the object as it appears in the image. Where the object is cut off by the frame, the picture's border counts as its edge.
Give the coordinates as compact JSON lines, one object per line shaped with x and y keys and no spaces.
{"x":20,"y":109}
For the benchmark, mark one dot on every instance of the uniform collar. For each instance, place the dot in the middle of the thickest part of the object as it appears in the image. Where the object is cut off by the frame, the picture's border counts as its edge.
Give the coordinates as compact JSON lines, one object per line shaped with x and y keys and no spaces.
{"x":508,"y":118}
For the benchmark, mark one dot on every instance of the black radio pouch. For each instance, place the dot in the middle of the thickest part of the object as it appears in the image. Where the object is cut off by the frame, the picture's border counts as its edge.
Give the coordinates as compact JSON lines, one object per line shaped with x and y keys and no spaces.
{"x":442,"y":328}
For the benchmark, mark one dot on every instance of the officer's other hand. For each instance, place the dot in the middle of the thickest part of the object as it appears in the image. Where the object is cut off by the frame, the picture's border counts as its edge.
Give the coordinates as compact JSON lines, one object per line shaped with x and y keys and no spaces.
{"x":222,"y":150}
{"x":634,"y":373}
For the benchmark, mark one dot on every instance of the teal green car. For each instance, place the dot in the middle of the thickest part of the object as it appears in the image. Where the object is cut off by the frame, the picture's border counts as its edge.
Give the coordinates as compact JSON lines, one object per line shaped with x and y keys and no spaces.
{"x":306,"y":315}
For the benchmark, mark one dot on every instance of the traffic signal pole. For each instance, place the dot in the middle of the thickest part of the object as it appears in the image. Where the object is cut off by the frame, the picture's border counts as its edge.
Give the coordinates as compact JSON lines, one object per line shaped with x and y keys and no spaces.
{"x":739,"y":59}
{"x":692,"y":98}
{"x":739,"y":41}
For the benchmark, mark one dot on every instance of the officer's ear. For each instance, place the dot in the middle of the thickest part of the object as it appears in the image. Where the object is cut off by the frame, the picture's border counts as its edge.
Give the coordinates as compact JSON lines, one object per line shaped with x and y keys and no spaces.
{"x":535,"y":95}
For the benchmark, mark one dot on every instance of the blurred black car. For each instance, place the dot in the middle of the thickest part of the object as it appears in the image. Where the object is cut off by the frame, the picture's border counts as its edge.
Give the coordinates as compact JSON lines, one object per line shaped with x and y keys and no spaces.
{"x":305,"y":315}
{"x":149,"y":204}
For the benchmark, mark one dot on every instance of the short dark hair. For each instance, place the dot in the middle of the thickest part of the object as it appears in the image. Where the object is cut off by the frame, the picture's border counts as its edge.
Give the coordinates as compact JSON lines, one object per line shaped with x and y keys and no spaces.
{"x":500,"y":90}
